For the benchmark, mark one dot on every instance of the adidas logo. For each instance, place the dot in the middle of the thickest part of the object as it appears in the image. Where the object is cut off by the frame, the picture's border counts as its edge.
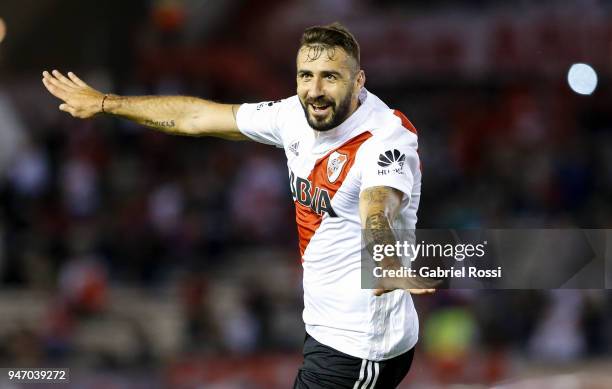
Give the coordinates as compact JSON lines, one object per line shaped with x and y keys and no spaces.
{"x":294,"y":147}
{"x":391,"y":161}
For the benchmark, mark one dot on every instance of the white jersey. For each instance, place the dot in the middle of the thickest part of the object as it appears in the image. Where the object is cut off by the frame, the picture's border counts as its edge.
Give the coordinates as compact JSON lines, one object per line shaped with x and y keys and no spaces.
{"x":375,"y":146}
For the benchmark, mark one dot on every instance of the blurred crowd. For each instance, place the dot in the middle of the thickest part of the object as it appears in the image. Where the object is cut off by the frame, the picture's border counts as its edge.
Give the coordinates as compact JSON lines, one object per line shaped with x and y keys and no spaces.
{"x":182,"y":248}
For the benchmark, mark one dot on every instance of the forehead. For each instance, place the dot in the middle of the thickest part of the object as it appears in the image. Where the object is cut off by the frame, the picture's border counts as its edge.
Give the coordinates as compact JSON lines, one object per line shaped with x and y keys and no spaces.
{"x":319,"y":58}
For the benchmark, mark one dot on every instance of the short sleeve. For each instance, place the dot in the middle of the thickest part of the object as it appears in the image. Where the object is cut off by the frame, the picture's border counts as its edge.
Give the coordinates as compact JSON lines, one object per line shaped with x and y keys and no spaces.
{"x":393,"y":164}
{"x":260,"y":121}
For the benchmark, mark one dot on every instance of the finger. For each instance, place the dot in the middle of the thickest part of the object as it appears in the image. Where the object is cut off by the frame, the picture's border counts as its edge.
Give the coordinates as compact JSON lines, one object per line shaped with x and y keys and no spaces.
{"x":421,"y":291}
{"x":77,"y":80}
{"x":56,"y":83}
{"x":424,"y":283}
{"x":67,"y":108}
{"x":425,"y":291}
{"x":55,"y":91}
{"x":47,"y":76}
{"x":380,"y":292}
{"x":63,"y":79}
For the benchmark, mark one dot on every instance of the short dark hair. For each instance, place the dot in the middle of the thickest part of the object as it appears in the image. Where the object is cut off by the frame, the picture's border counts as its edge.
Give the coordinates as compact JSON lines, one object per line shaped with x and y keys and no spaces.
{"x":330,"y":36}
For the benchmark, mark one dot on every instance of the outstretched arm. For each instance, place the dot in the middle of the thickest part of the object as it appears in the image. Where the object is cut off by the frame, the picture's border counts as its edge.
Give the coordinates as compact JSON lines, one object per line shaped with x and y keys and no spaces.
{"x":378,"y":206}
{"x":179,"y":115}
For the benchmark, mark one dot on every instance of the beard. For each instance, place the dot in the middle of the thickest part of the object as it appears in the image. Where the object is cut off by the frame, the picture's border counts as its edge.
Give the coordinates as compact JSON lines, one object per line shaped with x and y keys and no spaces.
{"x":338,"y":112}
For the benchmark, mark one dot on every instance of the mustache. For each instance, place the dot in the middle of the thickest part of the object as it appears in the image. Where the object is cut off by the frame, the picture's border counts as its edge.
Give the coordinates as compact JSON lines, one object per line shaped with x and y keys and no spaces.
{"x":320,"y":101}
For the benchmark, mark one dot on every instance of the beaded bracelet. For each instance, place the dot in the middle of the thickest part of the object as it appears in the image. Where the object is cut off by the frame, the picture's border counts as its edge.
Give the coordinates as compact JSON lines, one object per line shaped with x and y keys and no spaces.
{"x":103,"y":100}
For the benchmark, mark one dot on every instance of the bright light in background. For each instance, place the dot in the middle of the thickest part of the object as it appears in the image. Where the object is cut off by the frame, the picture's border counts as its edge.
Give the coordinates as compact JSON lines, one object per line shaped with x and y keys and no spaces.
{"x":2,"y":30}
{"x":582,"y":78}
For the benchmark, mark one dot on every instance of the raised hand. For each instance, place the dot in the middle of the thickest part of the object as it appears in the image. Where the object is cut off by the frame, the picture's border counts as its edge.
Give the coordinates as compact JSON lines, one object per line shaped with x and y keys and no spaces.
{"x":80,"y":100}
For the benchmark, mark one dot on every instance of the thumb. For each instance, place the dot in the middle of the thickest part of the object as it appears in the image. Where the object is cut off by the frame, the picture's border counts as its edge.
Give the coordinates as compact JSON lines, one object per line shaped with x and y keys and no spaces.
{"x":66,"y":108}
{"x":379,"y":292}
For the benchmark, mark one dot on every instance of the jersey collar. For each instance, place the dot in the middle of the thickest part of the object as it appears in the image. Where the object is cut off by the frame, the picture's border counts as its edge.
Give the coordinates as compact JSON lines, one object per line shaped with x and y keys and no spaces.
{"x":349,"y":128}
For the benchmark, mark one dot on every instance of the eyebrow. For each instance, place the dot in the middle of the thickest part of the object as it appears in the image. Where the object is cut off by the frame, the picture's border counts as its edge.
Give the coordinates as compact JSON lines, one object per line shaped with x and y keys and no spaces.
{"x":331,"y":72}
{"x":323,"y":72}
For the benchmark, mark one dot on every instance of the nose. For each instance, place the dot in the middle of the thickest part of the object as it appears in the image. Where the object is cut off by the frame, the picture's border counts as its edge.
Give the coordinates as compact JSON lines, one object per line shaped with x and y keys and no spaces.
{"x":315,"y":89}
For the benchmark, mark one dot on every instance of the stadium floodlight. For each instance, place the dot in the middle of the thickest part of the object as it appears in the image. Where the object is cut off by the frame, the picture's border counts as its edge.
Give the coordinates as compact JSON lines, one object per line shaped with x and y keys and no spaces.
{"x":582,"y":78}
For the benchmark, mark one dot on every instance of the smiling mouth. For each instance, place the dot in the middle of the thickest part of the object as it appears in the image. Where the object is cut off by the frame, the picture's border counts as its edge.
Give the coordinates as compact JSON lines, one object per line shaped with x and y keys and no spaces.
{"x":319,"y":108}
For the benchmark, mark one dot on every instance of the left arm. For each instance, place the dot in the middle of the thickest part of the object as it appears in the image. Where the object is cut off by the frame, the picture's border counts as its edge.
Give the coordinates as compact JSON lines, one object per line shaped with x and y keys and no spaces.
{"x":378,"y":206}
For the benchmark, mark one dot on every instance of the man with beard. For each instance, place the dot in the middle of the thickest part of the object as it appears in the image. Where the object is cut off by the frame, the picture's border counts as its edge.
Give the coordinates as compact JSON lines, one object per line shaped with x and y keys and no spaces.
{"x":353,"y":164}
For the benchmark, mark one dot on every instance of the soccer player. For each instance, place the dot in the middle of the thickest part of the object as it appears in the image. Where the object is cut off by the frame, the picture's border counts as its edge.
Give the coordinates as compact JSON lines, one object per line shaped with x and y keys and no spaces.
{"x":353,"y":164}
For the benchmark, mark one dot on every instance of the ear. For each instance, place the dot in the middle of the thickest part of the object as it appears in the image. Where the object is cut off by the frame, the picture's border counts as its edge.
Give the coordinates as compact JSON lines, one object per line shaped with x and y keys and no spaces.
{"x":361,"y":78}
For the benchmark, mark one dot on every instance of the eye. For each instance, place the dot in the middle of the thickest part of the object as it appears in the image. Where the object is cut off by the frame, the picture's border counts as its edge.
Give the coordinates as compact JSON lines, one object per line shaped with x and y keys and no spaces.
{"x":331,"y":77}
{"x":304,"y":76}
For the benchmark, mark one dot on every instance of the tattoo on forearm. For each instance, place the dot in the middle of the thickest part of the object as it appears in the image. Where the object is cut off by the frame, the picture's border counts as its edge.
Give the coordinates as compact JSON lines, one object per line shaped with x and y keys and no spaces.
{"x":379,"y":229}
{"x":160,"y":123}
{"x":377,"y":224}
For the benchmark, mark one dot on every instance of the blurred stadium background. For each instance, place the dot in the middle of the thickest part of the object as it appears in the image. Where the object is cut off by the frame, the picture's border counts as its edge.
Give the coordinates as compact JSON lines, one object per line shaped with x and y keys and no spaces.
{"x":137,"y":259}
